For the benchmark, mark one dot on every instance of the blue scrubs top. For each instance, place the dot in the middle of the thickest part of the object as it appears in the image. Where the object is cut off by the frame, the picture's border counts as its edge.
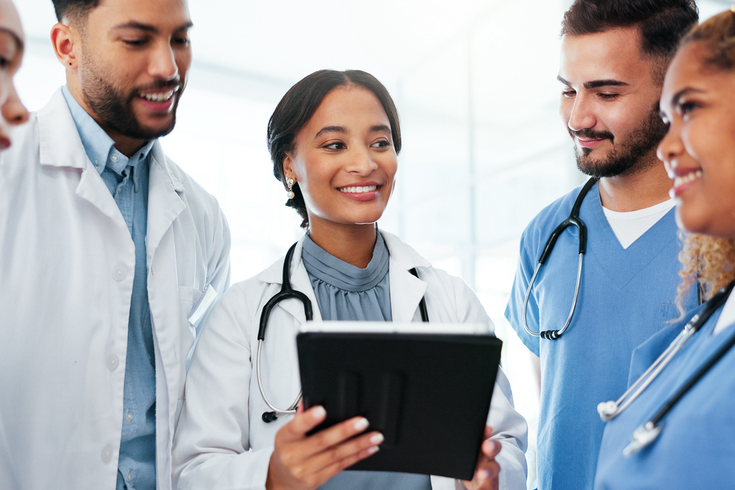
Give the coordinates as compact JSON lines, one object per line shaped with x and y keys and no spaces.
{"x":696,"y":448}
{"x":626,"y":296}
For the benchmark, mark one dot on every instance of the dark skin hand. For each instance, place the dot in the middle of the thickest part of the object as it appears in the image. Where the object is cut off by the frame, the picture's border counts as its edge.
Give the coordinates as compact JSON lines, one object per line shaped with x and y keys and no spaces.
{"x":486,"y":474}
{"x":304,"y":462}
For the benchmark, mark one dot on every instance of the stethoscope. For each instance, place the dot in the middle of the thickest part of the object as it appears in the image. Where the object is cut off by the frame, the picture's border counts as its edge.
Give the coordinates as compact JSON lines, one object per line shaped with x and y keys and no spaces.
{"x":650,"y":430}
{"x":572,"y":220}
{"x":287,"y":292}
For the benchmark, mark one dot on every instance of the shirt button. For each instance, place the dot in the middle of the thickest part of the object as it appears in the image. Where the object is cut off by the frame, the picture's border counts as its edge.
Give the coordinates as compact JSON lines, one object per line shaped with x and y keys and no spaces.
{"x":106,"y":454}
{"x":114,"y":158}
{"x":112,"y":362}
{"x":130,"y":476}
{"x":128,"y":415}
{"x":119,"y":273}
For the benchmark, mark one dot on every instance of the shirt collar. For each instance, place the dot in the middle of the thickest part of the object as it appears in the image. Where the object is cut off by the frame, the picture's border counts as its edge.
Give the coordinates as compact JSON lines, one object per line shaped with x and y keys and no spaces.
{"x":98,"y":145}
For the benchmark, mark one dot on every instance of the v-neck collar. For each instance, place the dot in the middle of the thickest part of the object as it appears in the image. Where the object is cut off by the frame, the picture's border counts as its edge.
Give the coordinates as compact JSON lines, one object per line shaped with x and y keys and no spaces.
{"x":637,"y":256}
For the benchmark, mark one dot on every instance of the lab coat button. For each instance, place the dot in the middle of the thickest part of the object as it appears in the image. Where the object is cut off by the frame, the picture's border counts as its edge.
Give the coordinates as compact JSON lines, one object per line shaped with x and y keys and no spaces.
{"x":119,"y":273}
{"x":106,"y":454}
{"x":112,"y":362}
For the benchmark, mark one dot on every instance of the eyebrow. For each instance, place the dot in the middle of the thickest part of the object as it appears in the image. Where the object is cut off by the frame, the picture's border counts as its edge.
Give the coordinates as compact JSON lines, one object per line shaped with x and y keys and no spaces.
{"x":149,"y":28}
{"x":339,"y":129}
{"x":16,"y":38}
{"x":596,"y":83}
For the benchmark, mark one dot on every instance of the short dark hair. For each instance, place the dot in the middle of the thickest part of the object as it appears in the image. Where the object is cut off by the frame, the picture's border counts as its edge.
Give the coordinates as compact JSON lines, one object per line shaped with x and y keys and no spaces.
{"x":717,"y":36}
{"x":299,"y":104}
{"x":662,"y":23}
{"x":73,"y":9}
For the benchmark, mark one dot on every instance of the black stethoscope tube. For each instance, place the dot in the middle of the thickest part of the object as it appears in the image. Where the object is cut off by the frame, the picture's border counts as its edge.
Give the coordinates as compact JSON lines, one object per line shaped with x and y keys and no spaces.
{"x":649,"y":431}
{"x":287,"y":292}
{"x":572,"y":220}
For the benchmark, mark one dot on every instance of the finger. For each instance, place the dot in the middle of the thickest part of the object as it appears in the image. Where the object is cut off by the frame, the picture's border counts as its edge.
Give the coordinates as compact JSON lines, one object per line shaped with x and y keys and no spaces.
{"x":488,"y":432}
{"x":335,"y":466}
{"x":302,"y":423}
{"x":337,"y":434}
{"x":491,"y":448}
{"x":348,"y":449}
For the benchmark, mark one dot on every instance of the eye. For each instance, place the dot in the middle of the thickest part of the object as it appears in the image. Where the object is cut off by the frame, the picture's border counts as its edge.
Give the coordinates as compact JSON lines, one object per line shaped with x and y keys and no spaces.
{"x":685,"y":108}
{"x":336,"y":145}
{"x":569,"y":94}
{"x":383,"y":143}
{"x":607,"y":96}
{"x":181,"y":41}
{"x":135,"y":43}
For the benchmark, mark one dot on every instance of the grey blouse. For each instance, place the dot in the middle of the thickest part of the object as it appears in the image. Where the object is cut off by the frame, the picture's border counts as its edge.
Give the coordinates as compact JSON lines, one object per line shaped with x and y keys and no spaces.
{"x":348,"y":293}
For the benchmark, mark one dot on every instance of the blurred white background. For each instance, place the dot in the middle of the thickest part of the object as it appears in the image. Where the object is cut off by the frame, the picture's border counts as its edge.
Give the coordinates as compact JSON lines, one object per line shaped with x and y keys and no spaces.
{"x":475,"y":85}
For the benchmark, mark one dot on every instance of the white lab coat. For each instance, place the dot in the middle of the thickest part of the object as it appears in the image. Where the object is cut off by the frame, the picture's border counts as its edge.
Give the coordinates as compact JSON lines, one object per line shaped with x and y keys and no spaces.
{"x":66,"y":277}
{"x":221,"y":441}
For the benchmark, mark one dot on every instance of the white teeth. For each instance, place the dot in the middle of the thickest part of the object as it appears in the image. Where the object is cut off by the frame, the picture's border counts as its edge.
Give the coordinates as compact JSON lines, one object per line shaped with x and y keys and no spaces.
{"x":158,"y":97}
{"x":685,"y":179}
{"x":359,"y":189}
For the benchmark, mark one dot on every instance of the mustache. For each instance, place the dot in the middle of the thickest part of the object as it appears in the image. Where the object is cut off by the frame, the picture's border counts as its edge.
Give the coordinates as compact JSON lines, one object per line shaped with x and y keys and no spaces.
{"x":161,"y":84}
{"x":592,"y":135}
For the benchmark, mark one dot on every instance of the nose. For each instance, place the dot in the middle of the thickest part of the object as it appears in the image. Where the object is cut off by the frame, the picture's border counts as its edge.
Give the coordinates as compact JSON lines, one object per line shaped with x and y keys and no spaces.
{"x":163,"y":64}
{"x":13,"y":110}
{"x":361,"y":162}
{"x":581,"y":115}
{"x":671,"y":145}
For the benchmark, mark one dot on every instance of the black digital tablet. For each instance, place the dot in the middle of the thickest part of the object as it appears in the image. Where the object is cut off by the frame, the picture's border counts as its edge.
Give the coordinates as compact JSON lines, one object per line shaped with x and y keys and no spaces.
{"x":426,"y":387}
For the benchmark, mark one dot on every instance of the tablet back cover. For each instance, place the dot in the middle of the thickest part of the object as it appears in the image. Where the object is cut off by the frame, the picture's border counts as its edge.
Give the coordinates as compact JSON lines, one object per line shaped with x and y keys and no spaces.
{"x":428,"y":394}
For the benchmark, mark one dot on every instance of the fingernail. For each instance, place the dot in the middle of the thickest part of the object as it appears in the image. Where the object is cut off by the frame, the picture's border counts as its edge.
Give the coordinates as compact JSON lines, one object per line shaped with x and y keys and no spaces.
{"x":495,"y":446}
{"x":377,"y":438}
{"x":373,"y":449}
{"x":318,"y":412}
{"x":361,"y":424}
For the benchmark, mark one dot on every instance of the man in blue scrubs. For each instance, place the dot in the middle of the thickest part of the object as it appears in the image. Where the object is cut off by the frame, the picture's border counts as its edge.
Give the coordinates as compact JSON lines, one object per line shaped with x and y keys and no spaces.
{"x":110,"y":255}
{"x":614,"y":57}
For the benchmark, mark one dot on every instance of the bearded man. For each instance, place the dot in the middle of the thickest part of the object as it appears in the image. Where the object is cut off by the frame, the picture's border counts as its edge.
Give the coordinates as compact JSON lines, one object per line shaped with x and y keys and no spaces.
{"x":613,"y":60}
{"x":110,"y":257}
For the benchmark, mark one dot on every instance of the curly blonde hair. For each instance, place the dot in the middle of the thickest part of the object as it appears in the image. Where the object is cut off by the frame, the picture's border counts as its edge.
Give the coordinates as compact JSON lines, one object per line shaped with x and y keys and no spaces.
{"x":707,"y":261}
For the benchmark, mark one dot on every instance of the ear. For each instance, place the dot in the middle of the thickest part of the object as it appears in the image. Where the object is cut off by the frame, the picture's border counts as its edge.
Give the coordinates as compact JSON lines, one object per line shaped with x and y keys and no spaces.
{"x":288,"y":172}
{"x":66,"y":41}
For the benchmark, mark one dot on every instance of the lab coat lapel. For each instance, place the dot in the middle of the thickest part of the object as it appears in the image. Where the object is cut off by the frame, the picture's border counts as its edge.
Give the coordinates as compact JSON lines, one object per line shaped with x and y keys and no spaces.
{"x":164,"y":200}
{"x":406,"y":290}
{"x":65,"y":149}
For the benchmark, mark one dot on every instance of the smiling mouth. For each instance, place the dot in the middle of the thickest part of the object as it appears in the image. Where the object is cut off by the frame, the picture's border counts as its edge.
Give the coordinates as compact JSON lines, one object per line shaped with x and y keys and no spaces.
{"x":158,"y":96}
{"x":685,"y":179}
{"x":358,"y":189}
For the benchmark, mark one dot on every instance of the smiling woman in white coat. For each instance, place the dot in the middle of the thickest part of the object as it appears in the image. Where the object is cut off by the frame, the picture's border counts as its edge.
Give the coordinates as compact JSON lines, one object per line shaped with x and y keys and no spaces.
{"x":334,"y":140}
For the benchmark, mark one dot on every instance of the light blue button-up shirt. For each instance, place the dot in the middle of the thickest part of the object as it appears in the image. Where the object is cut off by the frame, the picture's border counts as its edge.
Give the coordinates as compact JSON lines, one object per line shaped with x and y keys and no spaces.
{"x":127,"y":180}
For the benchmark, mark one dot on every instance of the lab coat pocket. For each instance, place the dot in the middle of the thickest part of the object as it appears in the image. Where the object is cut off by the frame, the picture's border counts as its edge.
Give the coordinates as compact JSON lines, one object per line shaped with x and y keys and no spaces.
{"x":188,"y":298}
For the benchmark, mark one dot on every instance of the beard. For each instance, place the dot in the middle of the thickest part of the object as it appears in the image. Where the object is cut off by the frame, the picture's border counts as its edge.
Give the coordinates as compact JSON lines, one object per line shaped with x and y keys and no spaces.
{"x":627,"y":156}
{"x":114,"y":107}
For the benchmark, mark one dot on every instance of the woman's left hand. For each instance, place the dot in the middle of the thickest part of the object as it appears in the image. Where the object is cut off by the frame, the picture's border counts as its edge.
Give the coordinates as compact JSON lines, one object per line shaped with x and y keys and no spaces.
{"x":486,"y":474}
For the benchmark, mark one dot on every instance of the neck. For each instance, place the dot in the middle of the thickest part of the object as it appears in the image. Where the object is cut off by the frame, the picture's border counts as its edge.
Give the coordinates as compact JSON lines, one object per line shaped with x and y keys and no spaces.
{"x":353,"y":244}
{"x":124,"y":144}
{"x":638,"y":190}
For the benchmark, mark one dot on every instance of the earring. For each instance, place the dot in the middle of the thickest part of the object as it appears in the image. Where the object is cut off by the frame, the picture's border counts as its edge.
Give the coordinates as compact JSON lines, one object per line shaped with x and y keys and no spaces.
{"x":290,"y":182}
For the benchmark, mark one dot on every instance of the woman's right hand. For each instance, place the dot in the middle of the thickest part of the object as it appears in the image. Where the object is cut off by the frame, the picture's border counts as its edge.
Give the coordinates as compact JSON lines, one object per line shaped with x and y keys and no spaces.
{"x":302,"y":462}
